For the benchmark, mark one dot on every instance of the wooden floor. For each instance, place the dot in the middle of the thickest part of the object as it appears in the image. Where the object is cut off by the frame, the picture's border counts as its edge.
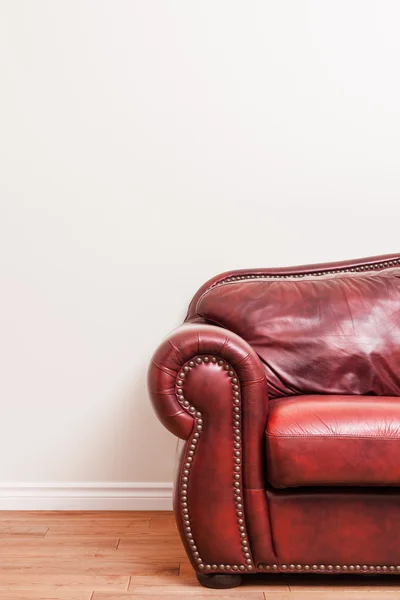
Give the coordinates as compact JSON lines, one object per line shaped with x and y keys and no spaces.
{"x":135,"y":555}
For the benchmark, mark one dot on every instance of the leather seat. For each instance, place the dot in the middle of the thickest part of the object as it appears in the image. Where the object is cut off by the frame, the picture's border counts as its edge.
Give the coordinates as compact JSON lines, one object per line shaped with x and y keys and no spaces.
{"x":325,"y":440}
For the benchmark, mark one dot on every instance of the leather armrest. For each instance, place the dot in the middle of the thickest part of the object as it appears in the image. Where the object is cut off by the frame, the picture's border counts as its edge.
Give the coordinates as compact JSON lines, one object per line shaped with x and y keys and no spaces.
{"x":205,"y":391}
{"x":208,"y":387}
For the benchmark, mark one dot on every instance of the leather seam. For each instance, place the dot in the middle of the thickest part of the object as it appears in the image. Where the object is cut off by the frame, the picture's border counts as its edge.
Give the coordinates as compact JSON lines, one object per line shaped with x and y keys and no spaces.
{"x":332,"y":437}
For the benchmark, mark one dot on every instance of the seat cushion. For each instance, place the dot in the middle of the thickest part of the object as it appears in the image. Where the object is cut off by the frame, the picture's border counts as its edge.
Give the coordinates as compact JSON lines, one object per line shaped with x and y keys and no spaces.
{"x":333,"y":441}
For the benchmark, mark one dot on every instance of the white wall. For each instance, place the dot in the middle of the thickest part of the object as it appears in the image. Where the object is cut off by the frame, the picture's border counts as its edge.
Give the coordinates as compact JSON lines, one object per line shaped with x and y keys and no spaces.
{"x":146,"y":146}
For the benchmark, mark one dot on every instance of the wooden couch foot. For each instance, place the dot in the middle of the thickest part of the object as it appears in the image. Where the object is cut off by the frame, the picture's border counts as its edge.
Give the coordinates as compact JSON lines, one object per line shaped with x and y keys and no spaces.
{"x":219,"y":581}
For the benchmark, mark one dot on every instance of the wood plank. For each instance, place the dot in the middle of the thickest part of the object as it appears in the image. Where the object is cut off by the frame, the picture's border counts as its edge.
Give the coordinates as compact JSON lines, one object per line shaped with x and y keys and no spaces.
{"x":199,"y":593}
{"x":164,"y":524}
{"x":186,"y":569}
{"x":21,"y":582}
{"x":339,"y":595}
{"x":159,"y":585}
{"x":221,"y":594}
{"x":56,"y":542}
{"x":148,"y":546}
{"x":103,"y":529}
{"x":50,"y":594}
{"x":97,"y":565}
{"x":31,"y":515}
{"x":16,"y":530}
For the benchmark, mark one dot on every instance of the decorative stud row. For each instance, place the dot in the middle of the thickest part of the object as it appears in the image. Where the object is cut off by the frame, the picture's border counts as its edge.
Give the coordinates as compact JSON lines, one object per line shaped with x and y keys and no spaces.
{"x":190,"y":454}
{"x":330,"y":568}
{"x":372,"y":267}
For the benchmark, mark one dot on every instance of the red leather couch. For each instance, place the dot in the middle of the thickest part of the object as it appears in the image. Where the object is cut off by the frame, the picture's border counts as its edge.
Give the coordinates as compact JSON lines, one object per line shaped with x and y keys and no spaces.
{"x":285,"y":385}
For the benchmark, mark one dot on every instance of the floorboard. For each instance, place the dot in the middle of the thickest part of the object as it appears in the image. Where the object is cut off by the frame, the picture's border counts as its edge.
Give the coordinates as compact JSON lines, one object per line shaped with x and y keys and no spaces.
{"x":126,"y":555}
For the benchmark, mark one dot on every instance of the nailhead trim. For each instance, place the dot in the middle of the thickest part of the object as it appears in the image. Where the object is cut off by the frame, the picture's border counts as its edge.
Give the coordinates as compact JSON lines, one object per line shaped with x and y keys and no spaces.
{"x":371,"y":267}
{"x":330,"y":568}
{"x":247,"y":564}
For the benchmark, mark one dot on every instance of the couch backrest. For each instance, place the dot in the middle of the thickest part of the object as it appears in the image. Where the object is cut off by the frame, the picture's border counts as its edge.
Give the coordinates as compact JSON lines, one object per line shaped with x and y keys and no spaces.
{"x":330,"y":332}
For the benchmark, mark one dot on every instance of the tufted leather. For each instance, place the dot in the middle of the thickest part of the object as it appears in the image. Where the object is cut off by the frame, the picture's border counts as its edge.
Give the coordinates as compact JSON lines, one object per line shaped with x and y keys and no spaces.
{"x":318,"y":346}
{"x":333,"y":440}
{"x":330,"y":334}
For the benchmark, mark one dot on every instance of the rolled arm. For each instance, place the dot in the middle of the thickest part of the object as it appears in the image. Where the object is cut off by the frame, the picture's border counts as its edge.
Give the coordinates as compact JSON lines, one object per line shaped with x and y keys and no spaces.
{"x":208,"y":387}
{"x":188,"y":342}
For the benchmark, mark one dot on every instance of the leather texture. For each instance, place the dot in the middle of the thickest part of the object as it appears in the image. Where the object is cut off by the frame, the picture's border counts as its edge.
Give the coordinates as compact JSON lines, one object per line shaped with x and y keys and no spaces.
{"x":317,"y":335}
{"x":333,"y":440}
{"x":208,"y":388}
{"x":287,"y":378}
{"x":336,"y":527}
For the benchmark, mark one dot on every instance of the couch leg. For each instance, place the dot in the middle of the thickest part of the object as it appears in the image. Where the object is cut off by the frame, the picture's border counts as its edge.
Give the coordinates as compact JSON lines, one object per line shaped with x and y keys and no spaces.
{"x":219,"y":581}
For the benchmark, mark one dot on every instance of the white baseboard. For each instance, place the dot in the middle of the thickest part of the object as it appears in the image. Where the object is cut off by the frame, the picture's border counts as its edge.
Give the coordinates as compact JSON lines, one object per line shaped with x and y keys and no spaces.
{"x":86,"y":496}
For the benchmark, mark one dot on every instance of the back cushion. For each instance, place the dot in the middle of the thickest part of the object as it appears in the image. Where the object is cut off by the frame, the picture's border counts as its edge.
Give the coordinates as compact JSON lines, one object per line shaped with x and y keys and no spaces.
{"x":331,"y":334}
